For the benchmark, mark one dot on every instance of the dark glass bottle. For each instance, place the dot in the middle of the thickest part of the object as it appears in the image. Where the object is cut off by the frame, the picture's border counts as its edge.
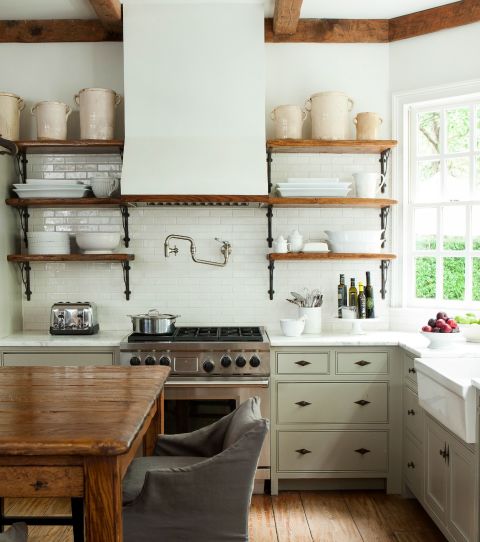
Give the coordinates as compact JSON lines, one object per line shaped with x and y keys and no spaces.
{"x":352,"y":294}
{"x":362,"y":302}
{"x":342,"y":295}
{"x":369,"y":296}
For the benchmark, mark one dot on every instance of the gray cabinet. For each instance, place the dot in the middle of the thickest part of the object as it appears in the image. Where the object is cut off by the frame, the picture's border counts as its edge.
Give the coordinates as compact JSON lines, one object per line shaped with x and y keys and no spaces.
{"x":77,"y":356}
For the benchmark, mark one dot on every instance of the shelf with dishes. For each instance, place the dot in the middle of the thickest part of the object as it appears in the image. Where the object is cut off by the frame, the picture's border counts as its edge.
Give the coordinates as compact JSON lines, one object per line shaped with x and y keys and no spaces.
{"x":24,"y":262}
{"x":384,"y":258}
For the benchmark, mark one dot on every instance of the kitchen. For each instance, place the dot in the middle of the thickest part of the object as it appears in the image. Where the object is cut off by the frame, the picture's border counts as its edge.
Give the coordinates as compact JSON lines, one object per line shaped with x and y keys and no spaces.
{"x":237,"y":294}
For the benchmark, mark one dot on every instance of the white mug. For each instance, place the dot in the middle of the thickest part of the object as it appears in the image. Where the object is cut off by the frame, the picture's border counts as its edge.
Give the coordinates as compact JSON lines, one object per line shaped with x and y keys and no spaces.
{"x":367,"y":184}
{"x":104,"y":187}
{"x":280,"y":245}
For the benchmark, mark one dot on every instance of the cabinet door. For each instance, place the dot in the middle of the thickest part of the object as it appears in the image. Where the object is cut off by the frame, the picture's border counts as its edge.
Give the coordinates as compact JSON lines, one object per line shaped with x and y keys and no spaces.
{"x":410,"y":373}
{"x":413,"y":414}
{"x":19,"y":359}
{"x":462,"y":498}
{"x":436,"y":469}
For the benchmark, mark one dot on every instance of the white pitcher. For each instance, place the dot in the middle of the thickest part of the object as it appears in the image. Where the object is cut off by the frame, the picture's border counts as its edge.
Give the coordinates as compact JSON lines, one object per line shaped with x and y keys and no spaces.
{"x":288,"y":120}
{"x":367,"y":125}
{"x":330,"y":112}
{"x":10,"y":107}
{"x":366,"y":184}
{"x":97,"y":112}
{"x":51,"y":119}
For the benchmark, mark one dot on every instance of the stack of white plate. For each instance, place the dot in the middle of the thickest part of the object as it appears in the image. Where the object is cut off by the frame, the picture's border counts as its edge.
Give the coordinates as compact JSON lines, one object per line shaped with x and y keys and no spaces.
{"x":356,"y":241}
{"x":319,"y":187}
{"x":43,"y":188}
{"x":48,"y":242}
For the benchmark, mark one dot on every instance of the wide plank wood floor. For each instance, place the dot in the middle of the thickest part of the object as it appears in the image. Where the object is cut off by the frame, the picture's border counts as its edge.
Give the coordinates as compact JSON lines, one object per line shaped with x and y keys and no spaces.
{"x":307,"y":516}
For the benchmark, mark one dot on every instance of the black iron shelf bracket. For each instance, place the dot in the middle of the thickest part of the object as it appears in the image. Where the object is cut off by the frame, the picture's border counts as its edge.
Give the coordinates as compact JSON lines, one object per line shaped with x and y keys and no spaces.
{"x":126,"y":278}
{"x":384,"y":212}
{"x":384,"y":265}
{"x":271,"y":267}
{"x":384,"y":156}
{"x":125,"y":216}
{"x":9,"y":145}
{"x":22,"y":162}
{"x":269,"y":170}
{"x":24,"y":216}
{"x":269,"y":218}
{"x":25,"y":269}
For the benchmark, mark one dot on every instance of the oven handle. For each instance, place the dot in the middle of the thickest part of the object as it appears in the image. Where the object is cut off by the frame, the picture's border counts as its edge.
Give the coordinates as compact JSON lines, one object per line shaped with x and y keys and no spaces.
{"x":209,"y":383}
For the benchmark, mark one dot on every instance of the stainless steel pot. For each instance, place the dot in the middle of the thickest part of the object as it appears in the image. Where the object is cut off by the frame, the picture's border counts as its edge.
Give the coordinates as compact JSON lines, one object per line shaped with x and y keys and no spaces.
{"x":153,"y":322}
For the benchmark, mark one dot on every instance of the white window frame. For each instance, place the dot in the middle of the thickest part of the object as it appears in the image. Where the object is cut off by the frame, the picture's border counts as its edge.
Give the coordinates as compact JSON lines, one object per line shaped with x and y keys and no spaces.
{"x":403,"y":273}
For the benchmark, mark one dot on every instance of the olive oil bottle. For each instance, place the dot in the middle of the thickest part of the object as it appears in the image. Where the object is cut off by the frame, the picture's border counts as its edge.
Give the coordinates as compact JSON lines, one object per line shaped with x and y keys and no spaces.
{"x":362,"y":302}
{"x":369,"y":296}
{"x":352,"y":294}
{"x":342,"y":295}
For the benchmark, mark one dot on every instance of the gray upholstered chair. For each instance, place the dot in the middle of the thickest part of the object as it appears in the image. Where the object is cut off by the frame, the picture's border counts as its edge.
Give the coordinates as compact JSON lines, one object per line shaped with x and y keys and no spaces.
{"x":18,"y":532}
{"x":197,"y":486}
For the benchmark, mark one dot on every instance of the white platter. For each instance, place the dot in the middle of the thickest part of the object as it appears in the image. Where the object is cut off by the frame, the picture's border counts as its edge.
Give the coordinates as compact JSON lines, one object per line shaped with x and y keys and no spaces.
{"x":319,"y":180}
{"x":59,"y":192}
{"x":314,"y":192}
{"x":313,"y":186}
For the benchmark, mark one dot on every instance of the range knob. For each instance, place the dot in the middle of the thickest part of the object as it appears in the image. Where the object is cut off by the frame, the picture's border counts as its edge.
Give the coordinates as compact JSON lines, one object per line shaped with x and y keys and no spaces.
{"x":135,"y":360}
{"x":208,"y":366}
{"x":240,"y":361}
{"x":254,"y":361}
{"x":226,"y":361}
{"x":164,"y":360}
{"x":149,"y":360}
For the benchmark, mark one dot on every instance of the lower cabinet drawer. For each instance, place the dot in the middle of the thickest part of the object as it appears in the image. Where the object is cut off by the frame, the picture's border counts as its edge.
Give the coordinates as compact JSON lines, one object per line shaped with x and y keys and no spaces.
{"x":358,"y":363}
{"x":301,"y":363}
{"x":410,"y":372}
{"x":332,"y":402}
{"x":413,"y":414}
{"x":413,"y":467}
{"x":333,"y":451}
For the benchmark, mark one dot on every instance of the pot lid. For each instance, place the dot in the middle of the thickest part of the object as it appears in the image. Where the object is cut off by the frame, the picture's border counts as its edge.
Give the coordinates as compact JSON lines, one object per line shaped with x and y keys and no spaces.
{"x":155,"y":315}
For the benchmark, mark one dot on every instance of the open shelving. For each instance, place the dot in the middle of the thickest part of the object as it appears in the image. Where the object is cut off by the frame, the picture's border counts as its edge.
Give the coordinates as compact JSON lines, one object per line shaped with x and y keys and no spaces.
{"x":24,"y":261}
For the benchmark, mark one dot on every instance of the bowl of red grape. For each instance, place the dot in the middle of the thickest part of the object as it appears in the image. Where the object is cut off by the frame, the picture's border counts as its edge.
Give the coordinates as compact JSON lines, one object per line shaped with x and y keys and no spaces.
{"x":442,"y":331}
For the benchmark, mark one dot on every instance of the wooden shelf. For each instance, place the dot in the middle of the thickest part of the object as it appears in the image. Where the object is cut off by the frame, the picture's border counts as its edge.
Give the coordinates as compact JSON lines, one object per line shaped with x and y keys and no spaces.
{"x":331,"y":202}
{"x":64,"y":202}
{"x":292,"y":256}
{"x":74,"y":146}
{"x":24,"y":258}
{"x":195,"y":199}
{"x":340,"y":146}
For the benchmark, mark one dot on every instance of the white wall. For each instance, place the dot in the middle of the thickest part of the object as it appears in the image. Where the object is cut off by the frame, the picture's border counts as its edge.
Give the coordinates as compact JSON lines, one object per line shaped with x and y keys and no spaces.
{"x":440,"y":58}
{"x":57,"y":71}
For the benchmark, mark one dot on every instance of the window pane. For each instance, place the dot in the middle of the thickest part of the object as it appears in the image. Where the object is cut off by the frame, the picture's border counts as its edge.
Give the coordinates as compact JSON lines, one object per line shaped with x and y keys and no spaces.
{"x":457,"y":179}
{"x":425,"y":229}
{"x":476,"y":279}
{"x":428,"y":133}
{"x":454,"y":278}
{"x":425,"y":278}
{"x":454,"y":228}
{"x":428,"y":184}
{"x":476,"y":227}
{"x":477,"y":176}
{"x":458,"y":129}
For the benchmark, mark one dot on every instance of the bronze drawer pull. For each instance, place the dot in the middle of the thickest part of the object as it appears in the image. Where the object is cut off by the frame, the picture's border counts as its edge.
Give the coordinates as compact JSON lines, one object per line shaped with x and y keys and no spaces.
{"x":303,"y":451}
{"x":411,"y":465}
{"x":362,"y":363}
{"x":362,"y":402}
{"x":411,"y":412}
{"x":303,"y":403}
{"x":362,"y":451}
{"x":411,"y":370}
{"x":303,"y":363}
{"x":39,"y":485}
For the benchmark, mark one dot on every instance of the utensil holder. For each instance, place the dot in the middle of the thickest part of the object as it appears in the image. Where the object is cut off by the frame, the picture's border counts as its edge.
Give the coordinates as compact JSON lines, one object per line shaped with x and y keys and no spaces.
{"x":313,"y":319}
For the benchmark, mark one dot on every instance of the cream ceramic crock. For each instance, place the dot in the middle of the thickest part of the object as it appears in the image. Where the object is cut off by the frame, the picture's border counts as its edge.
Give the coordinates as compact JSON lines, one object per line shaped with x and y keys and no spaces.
{"x":97,"y":112}
{"x":51,"y":120}
{"x":10,"y":107}
{"x":330,"y":112}
{"x":288,"y":121}
{"x":367,"y":125}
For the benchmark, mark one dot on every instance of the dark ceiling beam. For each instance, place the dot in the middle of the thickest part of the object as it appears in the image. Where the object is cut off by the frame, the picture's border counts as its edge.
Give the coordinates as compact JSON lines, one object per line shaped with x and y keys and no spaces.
{"x":332,"y":31}
{"x":286,"y":15}
{"x":434,"y":19}
{"x":109,"y":12}
{"x":58,"y":30}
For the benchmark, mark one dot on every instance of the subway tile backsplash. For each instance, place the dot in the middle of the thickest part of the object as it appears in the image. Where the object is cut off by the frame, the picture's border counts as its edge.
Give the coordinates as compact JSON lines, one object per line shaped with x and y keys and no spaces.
{"x":201,"y":294}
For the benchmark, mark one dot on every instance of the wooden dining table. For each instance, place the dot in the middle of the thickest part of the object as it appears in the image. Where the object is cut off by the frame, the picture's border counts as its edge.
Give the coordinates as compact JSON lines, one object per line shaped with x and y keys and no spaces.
{"x":73,"y":431}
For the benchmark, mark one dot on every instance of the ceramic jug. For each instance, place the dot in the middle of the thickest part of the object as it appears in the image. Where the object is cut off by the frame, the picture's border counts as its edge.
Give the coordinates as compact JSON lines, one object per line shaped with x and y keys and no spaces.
{"x":288,"y":121}
{"x":367,"y":125}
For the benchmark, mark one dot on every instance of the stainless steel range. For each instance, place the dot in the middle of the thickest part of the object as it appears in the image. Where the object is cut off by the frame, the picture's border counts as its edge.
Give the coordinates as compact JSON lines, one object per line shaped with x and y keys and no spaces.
{"x":213,"y":370}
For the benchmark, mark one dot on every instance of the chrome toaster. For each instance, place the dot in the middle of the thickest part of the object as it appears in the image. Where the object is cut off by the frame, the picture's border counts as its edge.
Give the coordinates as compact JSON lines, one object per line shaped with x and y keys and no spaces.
{"x":78,"y":318}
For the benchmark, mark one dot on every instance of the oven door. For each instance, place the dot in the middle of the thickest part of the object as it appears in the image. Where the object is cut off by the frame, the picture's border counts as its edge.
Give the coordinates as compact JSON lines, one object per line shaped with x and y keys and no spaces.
{"x":191,"y":404}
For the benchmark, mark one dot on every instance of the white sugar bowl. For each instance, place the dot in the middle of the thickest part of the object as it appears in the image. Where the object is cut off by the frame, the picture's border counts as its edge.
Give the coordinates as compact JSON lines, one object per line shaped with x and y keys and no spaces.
{"x":296,"y":241}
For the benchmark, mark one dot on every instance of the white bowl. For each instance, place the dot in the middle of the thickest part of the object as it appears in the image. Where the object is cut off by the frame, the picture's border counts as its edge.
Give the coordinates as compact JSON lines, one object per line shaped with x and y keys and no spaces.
{"x":356,"y":247}
{"x":97,"y":242}
{"x":443,"y":340}
{"x":51,"y":248}
{"x":292,"y":327}
{"x":471,"y":332}
{"x":353,"y":236}
{"x":47,"y":235}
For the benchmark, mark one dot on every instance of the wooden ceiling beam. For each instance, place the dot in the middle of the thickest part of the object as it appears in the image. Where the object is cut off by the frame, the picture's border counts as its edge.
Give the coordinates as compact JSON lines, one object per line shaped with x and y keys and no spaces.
{"x":286,"y":15}
{"x":434,"y":19}
{"x":332,"y":31}
{"x":58,"y":30}
{"x":109,"y":12}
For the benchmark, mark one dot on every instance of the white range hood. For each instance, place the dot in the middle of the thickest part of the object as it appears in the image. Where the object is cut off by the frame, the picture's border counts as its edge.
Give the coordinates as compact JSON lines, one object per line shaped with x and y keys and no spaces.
{"x":194,"y":97}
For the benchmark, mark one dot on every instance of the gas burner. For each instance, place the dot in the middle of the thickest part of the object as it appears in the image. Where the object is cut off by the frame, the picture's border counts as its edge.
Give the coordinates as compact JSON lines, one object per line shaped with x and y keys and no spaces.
{"x":196,"y":334}
{"x":240,"y":334}
{"x":142,"y":338}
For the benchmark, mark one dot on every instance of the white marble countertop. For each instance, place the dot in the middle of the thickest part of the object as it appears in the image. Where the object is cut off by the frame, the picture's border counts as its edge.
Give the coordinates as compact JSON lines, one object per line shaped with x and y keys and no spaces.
{"x":39,"y":339}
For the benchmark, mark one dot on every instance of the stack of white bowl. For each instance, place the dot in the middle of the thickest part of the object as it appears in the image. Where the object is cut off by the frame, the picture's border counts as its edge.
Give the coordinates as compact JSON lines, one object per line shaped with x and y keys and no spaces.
{"x":356,"y":241}
{"x":48,"y":242}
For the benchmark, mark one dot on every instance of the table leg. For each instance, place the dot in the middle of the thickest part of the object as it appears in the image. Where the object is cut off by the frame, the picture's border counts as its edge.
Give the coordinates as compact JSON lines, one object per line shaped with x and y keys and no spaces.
{"x":103,"y":500}
{"x":156,"y":427}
